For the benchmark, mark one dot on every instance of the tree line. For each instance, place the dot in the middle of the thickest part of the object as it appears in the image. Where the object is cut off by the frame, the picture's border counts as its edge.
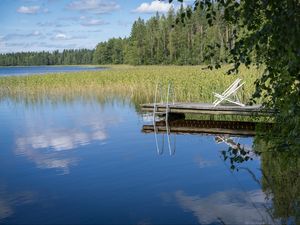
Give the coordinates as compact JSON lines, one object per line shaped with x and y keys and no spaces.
{"x":181,"y":37}
{"x":66,"y":57}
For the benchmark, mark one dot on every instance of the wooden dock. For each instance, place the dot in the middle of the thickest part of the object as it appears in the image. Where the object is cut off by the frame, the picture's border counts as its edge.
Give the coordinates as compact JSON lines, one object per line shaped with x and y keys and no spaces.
{"x":208,"y":109}
{"x":206,"y":127}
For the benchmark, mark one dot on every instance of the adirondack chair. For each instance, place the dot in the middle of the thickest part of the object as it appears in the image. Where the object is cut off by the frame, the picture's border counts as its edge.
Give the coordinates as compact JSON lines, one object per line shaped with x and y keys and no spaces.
{"x":230,"y":94}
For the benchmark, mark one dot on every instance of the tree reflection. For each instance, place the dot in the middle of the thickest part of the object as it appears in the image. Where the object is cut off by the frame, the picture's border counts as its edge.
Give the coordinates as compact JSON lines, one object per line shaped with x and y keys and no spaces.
{"x":280,"y":167}
{"x":236,"y":153}
{"x":280,"y":159}
{"x":281,"y":179}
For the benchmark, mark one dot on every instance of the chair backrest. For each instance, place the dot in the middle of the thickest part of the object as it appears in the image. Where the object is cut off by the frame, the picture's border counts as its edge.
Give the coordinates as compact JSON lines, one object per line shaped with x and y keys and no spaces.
{"x":229,"y":91}
{"x":232,"y":87}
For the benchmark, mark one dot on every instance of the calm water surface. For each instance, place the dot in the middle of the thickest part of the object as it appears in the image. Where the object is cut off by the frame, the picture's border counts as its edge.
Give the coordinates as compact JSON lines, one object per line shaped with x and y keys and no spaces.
{"x":85,"y":163}
{"x":27,"y":70}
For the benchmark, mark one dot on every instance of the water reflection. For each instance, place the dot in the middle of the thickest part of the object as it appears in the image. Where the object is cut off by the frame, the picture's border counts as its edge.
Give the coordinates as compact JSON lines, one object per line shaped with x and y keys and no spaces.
{"x":43,"y":147}
{"x":223,"y":132}
{"x":59,"y":140}
{"x":281,"y":178}
{"x":112,"y":174}
{"x":228,"y":207}
{"x":203,"y":163}
{"x":8,"y":201}
{"x":278,"y":199}
{"x":280,"y":167}
{"x":49,"y":138}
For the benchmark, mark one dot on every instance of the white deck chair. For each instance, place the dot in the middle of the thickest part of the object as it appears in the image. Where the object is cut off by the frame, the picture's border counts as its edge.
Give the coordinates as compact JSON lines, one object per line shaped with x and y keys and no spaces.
{"x":231,"y":90}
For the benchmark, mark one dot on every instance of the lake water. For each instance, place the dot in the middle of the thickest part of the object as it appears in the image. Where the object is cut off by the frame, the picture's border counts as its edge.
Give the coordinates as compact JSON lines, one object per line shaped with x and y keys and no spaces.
{"x":85,"y":162}
{"x":26,"y":70}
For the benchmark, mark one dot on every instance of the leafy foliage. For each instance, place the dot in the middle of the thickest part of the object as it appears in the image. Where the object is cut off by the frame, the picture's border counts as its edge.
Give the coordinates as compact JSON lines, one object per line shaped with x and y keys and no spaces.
{"x":266,"y":33}
{"x":110,"y":52}
{"x":281,"y":180}
{"x":280,"y":175}
{"x":183,"y":37}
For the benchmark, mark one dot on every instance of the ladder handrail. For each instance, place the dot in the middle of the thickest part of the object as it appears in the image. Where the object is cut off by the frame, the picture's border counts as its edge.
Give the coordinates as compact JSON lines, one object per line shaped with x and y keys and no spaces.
{"x":170,"y":91}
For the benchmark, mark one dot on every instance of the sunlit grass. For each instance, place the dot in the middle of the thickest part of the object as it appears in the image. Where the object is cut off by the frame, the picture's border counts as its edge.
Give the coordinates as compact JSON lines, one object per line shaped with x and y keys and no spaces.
{"x":191,"y":84}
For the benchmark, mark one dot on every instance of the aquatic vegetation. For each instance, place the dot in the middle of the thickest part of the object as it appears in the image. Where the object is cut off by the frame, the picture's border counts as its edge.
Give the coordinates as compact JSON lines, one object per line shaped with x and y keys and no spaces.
{"x":191,"y":84}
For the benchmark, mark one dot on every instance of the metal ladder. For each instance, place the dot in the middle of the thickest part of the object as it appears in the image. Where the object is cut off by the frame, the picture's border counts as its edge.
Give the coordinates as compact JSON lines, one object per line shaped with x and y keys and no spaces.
{"x":170,"y":90}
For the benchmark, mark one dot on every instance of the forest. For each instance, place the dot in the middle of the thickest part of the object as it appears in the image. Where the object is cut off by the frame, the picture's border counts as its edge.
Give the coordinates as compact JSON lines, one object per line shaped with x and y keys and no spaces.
{"x":181,"y":37}
{"x":66,"y":57}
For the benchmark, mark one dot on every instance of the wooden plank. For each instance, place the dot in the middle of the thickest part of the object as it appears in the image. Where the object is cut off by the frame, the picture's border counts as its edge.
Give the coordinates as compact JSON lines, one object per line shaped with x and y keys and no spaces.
{"x":206,"y":108}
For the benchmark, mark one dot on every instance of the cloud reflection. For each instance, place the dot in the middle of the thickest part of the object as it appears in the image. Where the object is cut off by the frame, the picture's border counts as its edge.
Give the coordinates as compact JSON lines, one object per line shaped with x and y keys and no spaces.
{"x":9,"y":201}
{"x":51,"y":147}
{"x":60,"y":140}
{"x":229,"y":207}
{"x":203,"y":163}
{"x":5,"y":209}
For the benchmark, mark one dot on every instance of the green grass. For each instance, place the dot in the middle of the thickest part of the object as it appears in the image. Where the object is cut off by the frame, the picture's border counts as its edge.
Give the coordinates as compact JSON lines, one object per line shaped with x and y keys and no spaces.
{"x":191,"y":84}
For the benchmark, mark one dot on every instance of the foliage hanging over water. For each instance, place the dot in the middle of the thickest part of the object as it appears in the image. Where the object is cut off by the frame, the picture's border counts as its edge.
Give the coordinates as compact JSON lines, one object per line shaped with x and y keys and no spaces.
{"x":280,"y":178}
{"x":268,"y":34}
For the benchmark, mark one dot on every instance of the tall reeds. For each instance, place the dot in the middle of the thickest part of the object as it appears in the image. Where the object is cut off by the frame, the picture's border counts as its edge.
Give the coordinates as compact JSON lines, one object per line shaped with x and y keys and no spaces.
{"x":191,"y":83}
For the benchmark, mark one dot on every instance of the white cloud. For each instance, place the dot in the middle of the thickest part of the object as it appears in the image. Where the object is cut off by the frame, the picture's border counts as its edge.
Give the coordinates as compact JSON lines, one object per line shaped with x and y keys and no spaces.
{"x":21,"y":36}
{"x":36,"y":33}
{"x":29,"y":9}
{"x":61,"y":36}
{"x":93,"y":22}
{"x":15,"y":46}
{"x":93,"y":6}
{"x":154,"y":6}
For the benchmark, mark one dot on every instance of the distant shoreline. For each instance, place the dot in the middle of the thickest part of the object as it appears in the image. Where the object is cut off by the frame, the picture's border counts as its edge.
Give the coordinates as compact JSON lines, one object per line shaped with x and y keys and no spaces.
{"x":80,"y":65}
{"x":10,"y":71}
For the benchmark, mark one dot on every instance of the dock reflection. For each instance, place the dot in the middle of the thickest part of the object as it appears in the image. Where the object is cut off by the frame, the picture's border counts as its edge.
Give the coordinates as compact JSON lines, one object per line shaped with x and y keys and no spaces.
{"x":227,"y":132}
{"x":277,"y":199}
{"x":208,"y":127}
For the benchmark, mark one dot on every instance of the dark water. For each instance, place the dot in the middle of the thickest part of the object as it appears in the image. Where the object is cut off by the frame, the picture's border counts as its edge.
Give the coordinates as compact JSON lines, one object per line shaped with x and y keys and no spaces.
{"x":25,"y":70}
{"x":89,"y":163}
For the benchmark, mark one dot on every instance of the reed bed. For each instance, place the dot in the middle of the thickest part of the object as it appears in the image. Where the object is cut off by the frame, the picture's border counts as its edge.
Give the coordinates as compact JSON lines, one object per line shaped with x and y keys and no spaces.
{"x":191,"y":84}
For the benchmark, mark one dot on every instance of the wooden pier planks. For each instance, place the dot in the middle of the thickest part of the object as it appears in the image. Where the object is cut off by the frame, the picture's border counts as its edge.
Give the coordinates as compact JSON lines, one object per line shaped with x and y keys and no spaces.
{"x":206,"y":108}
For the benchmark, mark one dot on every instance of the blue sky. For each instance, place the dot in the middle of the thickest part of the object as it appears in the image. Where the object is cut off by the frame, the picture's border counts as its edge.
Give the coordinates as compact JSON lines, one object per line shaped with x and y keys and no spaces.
{"x":36,"y":25}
